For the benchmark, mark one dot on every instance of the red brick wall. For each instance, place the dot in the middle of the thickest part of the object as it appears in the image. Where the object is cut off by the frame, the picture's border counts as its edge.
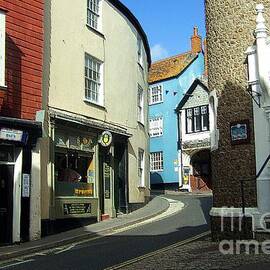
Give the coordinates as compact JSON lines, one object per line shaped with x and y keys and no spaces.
{"x":24,"y":57}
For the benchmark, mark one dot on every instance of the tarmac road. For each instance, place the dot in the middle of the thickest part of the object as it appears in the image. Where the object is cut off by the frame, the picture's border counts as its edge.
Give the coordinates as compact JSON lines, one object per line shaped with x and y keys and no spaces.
{"x":123,"y":246}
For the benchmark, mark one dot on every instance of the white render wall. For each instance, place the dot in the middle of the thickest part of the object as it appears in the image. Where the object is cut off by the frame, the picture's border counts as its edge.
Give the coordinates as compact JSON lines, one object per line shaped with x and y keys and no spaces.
{"x":116,"y":47}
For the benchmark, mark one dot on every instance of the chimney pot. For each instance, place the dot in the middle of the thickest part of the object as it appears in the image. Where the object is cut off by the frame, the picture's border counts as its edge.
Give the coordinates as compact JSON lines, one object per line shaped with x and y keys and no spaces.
{"x":196,"y":41}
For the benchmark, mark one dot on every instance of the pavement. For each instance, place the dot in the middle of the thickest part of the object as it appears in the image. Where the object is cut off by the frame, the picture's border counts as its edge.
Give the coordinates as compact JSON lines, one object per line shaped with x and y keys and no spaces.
{"x":155,"y":207}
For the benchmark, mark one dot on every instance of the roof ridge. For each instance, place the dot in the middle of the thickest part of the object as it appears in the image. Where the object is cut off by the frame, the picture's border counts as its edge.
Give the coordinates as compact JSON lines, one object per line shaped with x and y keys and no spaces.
{"x":170,"y":57}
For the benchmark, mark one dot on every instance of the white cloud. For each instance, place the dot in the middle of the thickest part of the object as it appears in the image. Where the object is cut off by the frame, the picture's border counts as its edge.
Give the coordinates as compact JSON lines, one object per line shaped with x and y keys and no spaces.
{"x":158,"y":52}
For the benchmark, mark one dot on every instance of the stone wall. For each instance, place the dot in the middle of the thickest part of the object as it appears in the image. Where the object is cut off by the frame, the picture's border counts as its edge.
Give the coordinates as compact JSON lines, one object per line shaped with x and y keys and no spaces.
{"x":230,"y":27}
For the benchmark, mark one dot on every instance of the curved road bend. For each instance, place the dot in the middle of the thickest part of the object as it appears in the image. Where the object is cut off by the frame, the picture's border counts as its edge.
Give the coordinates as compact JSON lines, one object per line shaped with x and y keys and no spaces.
{"x":120,"y":247}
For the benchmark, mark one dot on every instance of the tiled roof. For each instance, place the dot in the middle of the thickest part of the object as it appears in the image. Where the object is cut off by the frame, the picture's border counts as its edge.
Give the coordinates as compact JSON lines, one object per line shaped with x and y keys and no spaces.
{"x":170,"y":67}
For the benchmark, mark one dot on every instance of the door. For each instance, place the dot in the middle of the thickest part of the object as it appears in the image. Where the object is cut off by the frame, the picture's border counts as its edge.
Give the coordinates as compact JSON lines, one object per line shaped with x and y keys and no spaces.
{"x":6,"y":202}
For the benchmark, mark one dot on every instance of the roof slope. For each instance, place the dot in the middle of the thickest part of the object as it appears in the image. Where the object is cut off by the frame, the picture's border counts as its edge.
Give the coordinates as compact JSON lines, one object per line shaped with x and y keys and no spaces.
{"x":170,"y":67}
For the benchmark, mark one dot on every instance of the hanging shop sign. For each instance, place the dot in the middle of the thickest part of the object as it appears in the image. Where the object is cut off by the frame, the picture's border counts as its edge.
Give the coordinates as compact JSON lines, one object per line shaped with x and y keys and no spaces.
{"x":106,"y":138}
{"x":13,"y":135}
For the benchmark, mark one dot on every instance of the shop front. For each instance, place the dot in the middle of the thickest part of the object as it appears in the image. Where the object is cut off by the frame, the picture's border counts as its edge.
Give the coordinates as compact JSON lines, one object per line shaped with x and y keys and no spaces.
{"x":75,"y":158}
{"x":19,"y":177}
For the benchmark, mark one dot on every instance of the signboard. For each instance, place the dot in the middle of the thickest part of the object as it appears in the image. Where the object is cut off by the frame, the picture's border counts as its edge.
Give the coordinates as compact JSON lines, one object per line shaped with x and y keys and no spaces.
{"x":77,"y":208}
{"x":107,"y":181}
{"x":13,"y":135}
{"x":186,"y":175}
{"x":106,"y":138}
{"x":26,"y":186}
{"x":240,"y":132}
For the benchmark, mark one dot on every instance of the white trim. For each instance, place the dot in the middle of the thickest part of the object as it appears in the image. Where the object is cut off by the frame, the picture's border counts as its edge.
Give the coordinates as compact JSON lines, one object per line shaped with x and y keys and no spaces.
{"x":232,"y":212}
{"x":2,"y":48}
{"x":16,"y":230}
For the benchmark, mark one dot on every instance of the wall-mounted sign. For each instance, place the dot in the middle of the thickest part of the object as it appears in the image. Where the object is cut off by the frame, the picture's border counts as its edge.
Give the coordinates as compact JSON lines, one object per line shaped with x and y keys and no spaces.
{"x":240,"y":132}
{"x":13,"y":135}
{"x":105,"y":138}
{"x":186,"y":172}
{"x":26,"y":185}
{"x":107,"y":181}
{"x":77,"y":208}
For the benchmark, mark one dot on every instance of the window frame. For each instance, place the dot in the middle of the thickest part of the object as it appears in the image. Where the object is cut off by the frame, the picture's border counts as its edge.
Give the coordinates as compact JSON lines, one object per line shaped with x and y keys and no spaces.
{"x":93,"y":12}
{"x":141,"y":167}
{"x":99,"y":83}
{"x":160,"y":95}
{"x":140,"y":105}
{"x":159,"y":161}
{"x":3,"y":49}
{"x":159,"y":119}
{"x":197,"y":119}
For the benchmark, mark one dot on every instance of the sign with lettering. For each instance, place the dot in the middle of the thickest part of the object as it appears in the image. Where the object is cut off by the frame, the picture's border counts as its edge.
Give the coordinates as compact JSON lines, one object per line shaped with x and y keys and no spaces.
{"x":13,"y":135}
{"x":77,"y":208}
{"x":26,"y":185}
{"x":107,"y":181}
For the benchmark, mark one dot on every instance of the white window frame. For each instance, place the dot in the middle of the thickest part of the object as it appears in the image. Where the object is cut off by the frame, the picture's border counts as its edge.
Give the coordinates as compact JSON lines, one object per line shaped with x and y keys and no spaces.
{"x":140,"y":104}
{"x":95,"y":80}
{"x":140,"y":50}
{"x":159,"y":94}
{"x":2,"y":49}
{"x":94,"y":14}
{"x":156,"y":126}
{"x":156,"y":161}
{"x":141,"y":167}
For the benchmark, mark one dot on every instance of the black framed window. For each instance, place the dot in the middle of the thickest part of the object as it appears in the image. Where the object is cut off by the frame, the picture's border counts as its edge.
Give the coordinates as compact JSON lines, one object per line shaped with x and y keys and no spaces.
{"x":197,"y":119}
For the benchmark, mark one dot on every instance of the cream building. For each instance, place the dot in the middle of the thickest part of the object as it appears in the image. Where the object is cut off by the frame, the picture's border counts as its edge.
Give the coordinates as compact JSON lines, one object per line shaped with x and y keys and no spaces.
{"x":95,"y":93}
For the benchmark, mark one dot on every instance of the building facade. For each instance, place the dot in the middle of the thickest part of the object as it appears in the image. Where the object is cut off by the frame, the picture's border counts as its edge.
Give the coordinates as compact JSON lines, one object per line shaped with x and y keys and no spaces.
{"x":169,"y":79}
{"x":96,"y":145}
{"x":230,"y":27}
{"x":194,"y":138}
{"x":21,"y":56}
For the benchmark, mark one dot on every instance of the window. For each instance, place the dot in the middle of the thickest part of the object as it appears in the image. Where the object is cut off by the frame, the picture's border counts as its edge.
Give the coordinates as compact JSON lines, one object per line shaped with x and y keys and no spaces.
{"x":156,"y":161}
{"x":2,"y":47}
{"x":93,"y":80}
{"x":141,"y":167}
{"x":140,"y":105}
{"x":140,"y":52}
{"x":156,"y":127}
{"x":197,"y":119}
{"x":93,"y":13}
{"x":155,"y":94}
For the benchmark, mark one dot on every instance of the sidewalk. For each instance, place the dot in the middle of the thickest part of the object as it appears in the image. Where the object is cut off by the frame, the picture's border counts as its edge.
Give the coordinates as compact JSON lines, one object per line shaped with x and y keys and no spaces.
{"x":154,"y":208}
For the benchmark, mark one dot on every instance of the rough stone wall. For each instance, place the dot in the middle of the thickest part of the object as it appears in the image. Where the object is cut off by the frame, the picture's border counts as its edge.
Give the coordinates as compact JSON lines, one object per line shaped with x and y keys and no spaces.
{"x":230,"y":27}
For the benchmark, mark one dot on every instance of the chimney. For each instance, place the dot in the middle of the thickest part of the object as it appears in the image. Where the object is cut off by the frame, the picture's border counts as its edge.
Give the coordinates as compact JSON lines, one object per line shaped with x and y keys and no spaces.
{"x":205,"y":57}
{"x":196,"y":41}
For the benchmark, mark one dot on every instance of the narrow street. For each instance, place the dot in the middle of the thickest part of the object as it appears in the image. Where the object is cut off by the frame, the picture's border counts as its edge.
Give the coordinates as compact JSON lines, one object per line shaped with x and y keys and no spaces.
{"x":112,"y":250}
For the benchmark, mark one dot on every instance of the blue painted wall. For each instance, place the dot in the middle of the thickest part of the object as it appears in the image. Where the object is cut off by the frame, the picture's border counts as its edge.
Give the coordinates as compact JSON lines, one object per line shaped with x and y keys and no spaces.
{"x":168,"y":142}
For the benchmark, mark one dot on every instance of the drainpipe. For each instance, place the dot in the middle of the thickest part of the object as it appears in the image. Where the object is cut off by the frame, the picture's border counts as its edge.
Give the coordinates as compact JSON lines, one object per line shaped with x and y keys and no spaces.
{"x":263,"y":181}
{"x":179,"y":148}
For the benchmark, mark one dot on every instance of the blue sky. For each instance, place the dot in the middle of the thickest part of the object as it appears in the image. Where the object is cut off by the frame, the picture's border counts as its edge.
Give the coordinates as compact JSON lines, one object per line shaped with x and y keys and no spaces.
{"x":168,"y":24}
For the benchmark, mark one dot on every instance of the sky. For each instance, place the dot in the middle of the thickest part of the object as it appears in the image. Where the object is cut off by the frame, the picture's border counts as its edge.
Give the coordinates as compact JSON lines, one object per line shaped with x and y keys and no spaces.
{"x":168,"y":24}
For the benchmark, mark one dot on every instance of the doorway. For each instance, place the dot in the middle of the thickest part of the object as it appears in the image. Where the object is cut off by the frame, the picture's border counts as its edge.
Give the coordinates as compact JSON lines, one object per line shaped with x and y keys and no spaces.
{"x":6,"y":202}
{"x":120,"y":182}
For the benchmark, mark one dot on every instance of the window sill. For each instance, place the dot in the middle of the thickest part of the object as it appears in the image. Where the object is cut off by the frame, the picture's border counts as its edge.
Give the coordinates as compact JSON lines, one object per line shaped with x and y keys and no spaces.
{"x":150,"y":104}
{"x":95,"y":31}
{"x":94,"y":104}
{"x":156,"y":171}
{"x":3,"y":87}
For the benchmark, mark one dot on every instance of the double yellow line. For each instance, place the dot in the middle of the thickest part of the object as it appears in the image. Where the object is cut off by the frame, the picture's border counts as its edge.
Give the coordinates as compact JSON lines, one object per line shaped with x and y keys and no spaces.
{"x":148,"y":255}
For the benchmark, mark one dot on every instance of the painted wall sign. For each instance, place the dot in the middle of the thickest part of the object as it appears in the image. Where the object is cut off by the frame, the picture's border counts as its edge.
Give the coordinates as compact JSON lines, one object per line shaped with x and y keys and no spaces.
{"x":13,"y":135}
{"x":77,"y":208}
{"x":26,"y":186}
{"x":106,"y":138}
{"x":107,"y":181}
{"x":240,"y":132}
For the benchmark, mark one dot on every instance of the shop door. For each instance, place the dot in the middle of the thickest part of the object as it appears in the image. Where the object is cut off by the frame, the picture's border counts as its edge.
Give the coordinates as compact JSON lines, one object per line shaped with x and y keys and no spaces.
{"x":6,"y":205}
{"x":120,"y":178}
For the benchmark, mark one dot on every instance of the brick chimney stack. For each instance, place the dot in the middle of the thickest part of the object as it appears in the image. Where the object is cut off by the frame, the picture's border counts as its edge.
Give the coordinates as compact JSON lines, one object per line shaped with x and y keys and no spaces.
{"x":196,"y":41}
